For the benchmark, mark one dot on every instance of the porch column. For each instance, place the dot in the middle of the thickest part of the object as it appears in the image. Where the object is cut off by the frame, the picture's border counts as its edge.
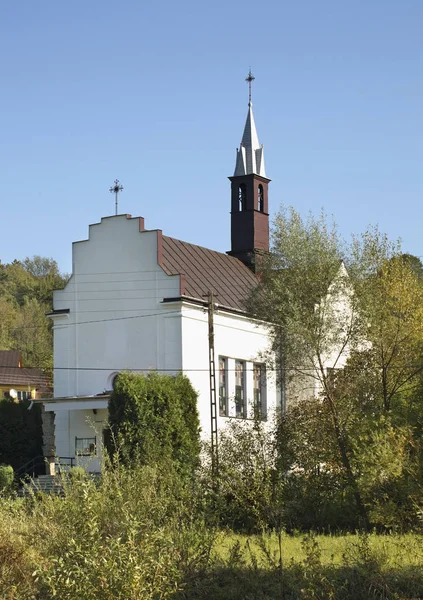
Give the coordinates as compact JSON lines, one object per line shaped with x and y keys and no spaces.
{"x":49,"y":442}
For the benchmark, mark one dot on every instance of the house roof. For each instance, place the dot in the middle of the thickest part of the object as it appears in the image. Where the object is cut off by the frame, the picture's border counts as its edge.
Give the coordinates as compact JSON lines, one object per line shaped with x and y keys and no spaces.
{"x":14,"y":375}
{"x":205,"y":270}
{"x":10,"y":358}
{"x":11,"y":372}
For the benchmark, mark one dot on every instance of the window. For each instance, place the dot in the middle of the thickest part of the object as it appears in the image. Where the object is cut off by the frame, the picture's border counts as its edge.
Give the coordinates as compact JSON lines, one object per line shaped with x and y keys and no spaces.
{"x":85,"y":446}
{"x":24,"y":396}
{"x":223,"y":386}
{"x":242,"y":197}
{"x":240,"y":389}
{"x":259,"y":389}
{"x":260,"y":198}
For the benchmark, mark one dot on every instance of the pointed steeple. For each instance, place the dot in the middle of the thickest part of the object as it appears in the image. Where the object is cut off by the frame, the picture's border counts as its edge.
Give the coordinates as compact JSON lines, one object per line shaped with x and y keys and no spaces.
{"x":250,"y":155}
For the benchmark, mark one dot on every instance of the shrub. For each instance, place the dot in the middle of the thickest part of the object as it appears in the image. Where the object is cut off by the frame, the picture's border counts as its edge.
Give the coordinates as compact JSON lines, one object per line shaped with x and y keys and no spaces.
{"x":6,"y":478}
{"x":77,"y":473}
{"x":133,"y":535}
{"x":154,"y":418}
{"x":249,"y":494}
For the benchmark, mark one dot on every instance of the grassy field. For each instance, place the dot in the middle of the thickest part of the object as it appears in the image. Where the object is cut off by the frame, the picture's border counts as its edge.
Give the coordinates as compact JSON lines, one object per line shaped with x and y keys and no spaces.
{"x":325,"y":567}
{"x":391,"y":551}
{"x":129,"y":539}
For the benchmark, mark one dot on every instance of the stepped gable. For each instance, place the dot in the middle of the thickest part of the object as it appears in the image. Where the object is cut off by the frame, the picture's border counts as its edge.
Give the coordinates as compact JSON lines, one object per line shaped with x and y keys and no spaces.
{"x":205,"y":270}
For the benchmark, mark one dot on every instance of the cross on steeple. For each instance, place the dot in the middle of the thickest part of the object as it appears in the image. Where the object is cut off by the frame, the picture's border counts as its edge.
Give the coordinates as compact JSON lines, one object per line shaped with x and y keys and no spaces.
{"x":250,"y":80}
{"x":115,"y":189}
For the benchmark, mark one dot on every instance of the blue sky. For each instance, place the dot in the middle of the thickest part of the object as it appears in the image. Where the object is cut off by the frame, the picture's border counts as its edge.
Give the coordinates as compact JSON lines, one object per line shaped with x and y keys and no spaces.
{"x":154,"y":94}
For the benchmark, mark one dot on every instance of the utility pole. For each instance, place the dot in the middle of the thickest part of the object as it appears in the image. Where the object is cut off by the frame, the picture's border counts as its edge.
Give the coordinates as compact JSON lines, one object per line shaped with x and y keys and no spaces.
{"x":213,"y":402}
{"x":115,"y":189}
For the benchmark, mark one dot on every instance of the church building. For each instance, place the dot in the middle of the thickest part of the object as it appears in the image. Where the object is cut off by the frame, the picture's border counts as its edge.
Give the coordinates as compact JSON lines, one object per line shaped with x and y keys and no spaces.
{"x":138,"y":300}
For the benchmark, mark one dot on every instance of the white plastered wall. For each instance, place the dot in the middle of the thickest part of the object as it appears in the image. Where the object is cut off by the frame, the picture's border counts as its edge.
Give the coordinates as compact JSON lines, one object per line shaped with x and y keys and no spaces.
{"x":116,"y":317}
{"x":235,"y":337}
{"x":116,"y":321}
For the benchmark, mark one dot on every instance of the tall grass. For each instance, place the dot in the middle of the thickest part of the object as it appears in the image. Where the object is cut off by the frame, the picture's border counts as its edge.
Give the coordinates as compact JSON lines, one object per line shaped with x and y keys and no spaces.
{"x":141,"y":534}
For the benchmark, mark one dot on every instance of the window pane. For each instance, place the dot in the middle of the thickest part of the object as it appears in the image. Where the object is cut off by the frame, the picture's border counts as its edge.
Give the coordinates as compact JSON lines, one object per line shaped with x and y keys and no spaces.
{"x":259,"y":385}
{"x":240,"y":389}
{"x":223,"y":389}
{"x":85,"y":446}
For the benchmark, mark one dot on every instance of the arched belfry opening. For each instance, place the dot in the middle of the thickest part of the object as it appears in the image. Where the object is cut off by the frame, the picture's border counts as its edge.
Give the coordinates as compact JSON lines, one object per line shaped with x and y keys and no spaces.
{"x":249,"y":204}
{"x":242,"y":197}
{"x":260,"y":198}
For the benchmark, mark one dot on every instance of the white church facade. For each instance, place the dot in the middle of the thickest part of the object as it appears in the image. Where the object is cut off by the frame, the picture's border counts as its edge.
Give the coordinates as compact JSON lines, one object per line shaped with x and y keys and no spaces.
{"x":137,"y":301}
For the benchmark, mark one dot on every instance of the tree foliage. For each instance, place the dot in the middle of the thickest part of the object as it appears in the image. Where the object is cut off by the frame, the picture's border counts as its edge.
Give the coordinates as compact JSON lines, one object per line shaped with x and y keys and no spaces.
{"x":26,"y":295}
{"x":346,"y":324}
{"x":20,"y":432}
{"x":154,"y":418}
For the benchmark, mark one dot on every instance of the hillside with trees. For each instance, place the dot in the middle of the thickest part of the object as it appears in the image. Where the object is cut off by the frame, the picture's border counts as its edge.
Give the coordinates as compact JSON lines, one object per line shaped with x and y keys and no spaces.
{"x":26,"y":295}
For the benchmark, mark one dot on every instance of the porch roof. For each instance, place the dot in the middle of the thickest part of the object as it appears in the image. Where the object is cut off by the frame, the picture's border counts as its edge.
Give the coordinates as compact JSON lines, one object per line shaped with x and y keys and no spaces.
{"x":86,"y":402}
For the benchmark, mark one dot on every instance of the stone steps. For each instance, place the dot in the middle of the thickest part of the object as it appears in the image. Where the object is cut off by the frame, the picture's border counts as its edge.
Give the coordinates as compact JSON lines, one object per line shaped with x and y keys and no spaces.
{"x":48,"y":484}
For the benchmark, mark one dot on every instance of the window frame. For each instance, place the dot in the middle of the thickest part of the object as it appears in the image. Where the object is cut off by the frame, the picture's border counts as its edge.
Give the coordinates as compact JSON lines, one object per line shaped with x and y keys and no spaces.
{"x":89,"y":449}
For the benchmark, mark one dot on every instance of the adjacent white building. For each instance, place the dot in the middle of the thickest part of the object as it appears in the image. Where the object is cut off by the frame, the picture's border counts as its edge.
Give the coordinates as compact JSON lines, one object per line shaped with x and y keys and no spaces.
{"x":137,"y":300}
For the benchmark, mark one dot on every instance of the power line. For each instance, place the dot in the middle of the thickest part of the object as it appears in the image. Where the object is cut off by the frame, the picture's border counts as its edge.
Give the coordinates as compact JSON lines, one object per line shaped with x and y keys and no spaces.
{"x":200,"y":370}
{"x":173,"y":312}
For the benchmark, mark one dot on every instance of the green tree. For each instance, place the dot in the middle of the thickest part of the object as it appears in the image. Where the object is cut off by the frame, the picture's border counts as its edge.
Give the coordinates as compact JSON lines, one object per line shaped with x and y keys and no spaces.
{"x":306,"y":297}
{"x":346,"y":323}
{"x":154,"y":418}
{"x":26,"y":295}
{"x":20,"y":432}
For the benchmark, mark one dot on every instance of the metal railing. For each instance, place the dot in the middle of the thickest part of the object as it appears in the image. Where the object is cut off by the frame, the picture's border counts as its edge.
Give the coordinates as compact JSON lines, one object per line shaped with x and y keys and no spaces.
{"x":64,"y":463}
{"x":35,"y":466}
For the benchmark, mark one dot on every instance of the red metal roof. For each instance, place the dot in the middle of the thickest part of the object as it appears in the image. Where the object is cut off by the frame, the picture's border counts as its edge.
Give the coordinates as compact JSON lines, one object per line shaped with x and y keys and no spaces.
{"x":206,"y":270}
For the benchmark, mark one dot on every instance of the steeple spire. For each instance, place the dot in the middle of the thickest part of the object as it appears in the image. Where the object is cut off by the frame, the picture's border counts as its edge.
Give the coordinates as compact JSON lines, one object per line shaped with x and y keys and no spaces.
{"x":250,"y":155}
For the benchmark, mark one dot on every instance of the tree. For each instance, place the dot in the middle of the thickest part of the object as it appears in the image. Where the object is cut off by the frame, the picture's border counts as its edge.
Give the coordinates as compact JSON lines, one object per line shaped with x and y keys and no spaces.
{"x":390,"y":293}
{"x":306,"y":298}
{"x":20,"y":432}
{"x":328,"y":305}
{"x":26,"y":295}
{"x":32,"y":335}
{"x":154,"y":418}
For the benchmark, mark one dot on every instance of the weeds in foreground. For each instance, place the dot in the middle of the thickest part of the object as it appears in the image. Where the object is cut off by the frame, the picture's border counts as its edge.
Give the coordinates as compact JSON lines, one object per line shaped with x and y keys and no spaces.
{"x":141,"y":534}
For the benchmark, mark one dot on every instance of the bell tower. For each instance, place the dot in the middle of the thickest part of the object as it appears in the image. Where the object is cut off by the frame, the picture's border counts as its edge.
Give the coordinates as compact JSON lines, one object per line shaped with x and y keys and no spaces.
{"x":249,"y":196}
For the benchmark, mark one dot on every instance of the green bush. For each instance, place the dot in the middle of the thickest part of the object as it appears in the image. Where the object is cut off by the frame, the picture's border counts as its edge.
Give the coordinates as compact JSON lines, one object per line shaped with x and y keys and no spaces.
{"x":249,"y":494}
{"x":20,"y":432}
{"x":77,"y":473}
{"x":134,"y":535}
{"x":154,"y":418}
{"x":6,"y":478}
